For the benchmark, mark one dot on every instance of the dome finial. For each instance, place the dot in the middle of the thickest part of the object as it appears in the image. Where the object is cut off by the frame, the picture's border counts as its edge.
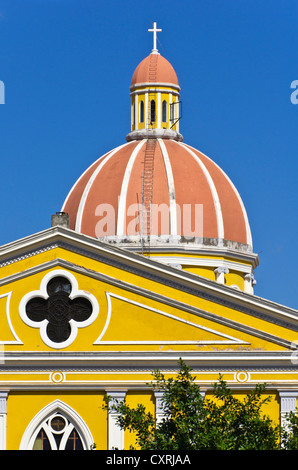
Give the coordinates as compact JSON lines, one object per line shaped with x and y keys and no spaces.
{"x":154,"y":30}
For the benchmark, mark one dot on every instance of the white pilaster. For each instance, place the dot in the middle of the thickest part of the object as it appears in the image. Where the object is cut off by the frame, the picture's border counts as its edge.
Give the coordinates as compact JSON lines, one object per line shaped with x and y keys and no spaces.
{"x":170,"y":109}
{"x":178,"y":115}
{"x":115,"y":433}
{"x":159,"y":110}
{"x":288,"y":402}
{"x":3,"y":414}
{"x":159,"y":412}
{"x":249,"y":282}
{"x":136,"y":113}
{"x":220,"y":274}
{"x":146,"y":111}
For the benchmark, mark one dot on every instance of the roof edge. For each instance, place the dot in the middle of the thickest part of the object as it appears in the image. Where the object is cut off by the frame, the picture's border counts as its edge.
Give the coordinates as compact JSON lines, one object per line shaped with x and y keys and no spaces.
{"x":58,"y":236}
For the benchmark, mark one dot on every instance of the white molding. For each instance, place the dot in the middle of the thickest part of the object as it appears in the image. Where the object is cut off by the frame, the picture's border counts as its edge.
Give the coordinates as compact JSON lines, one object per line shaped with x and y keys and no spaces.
{"x":273,"y":362}
{"x":156,"y":84}
{"x":203,"y":262}
{"x":166,"y":244}
{"x":99,"y":341}
{"x":149,"y":90}
{"x":74,"y":325}
{"x":11,"y":328}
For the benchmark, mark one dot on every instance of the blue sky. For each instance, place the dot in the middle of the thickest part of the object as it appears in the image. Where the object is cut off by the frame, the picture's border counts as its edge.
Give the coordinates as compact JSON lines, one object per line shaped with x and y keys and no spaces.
{"x":67,"y":66}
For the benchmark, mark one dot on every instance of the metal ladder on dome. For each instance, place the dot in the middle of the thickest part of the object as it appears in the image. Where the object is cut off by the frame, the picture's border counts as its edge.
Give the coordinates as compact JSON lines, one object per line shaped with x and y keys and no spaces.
{"x":151,"y":113}
{"x":148,"y":172}
{"x":147,"y":193}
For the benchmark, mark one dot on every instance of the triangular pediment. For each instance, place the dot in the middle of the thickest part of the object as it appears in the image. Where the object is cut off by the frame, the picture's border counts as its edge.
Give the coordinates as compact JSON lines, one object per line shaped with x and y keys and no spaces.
{"x":137,"y":304}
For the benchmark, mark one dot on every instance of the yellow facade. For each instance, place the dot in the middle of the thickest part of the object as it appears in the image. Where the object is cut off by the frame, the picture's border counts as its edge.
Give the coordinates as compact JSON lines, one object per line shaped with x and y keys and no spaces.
{"x":148,"y":314}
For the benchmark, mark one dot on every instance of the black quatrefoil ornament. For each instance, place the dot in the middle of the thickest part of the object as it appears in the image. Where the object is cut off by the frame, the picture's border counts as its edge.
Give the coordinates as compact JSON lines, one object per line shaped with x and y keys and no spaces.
{"x":58,"y":309}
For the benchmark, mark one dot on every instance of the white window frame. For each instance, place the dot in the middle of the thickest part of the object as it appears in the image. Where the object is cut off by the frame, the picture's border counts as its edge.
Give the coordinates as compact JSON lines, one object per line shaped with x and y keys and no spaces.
{"x":39,"y":421}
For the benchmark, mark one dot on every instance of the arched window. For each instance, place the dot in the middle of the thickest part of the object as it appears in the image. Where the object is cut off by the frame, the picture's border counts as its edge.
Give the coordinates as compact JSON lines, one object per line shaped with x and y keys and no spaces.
{"x":57,"y":427}
{"x":58,"y":433}
{"x":142,"y":111}
{"x":172,"y":111}
{"x":133,"y":114}
{"x":152,"y":111}
{"x":164,"y":111}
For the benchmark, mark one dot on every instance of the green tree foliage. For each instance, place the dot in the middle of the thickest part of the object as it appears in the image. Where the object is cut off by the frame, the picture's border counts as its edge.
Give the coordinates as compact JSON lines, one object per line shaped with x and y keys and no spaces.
{"x":289,"y":434}
{"x":191,"y":422}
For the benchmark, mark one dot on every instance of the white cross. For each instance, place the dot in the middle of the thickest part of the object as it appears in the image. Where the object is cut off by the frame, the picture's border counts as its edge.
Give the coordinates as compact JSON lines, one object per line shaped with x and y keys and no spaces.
{"x":154,"y":31}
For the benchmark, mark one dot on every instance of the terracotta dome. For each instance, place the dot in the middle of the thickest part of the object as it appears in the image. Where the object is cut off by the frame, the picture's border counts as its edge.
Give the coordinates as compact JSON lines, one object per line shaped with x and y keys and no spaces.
{"x":154,"y":69}
{"x":180,"y":180}
{"x":155,"y":186}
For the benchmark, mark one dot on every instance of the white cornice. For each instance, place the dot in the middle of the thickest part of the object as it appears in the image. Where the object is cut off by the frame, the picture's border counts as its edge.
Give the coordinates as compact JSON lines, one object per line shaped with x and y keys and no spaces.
{"x":206,"y":262}
{"x":136,"y":361}
{"x":166,"y":244}
{"x":142,"y":91}
{"x":153,"y":85}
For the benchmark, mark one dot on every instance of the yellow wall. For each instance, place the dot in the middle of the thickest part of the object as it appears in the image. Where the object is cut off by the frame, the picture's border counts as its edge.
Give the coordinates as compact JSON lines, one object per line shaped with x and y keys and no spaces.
{"x":133,"y":398}
{"x":271,"y":409}
{"x":23,"y":406}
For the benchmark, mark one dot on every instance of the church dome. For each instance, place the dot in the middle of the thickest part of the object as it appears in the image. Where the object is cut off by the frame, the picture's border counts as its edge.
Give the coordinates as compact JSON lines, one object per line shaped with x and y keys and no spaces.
{"x":154,"y":69}
{"x":157,"y":187}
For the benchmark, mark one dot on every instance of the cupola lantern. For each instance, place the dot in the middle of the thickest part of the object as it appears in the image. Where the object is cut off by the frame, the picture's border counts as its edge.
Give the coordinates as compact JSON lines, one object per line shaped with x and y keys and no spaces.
{"x":155,"y":95}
